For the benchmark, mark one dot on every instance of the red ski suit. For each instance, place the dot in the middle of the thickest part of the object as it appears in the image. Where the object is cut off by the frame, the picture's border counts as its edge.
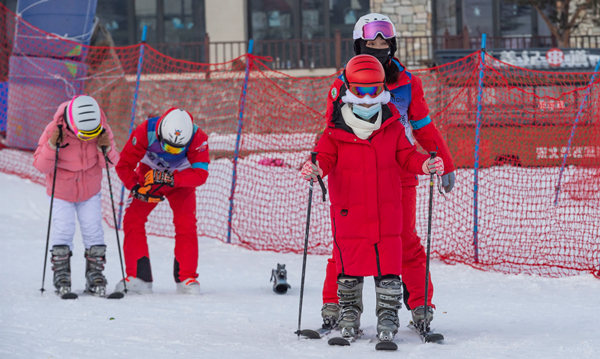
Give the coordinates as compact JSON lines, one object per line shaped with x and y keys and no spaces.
{"x":190,"y":169}
{"x":409,"y":99}
{"x":365,"y":190}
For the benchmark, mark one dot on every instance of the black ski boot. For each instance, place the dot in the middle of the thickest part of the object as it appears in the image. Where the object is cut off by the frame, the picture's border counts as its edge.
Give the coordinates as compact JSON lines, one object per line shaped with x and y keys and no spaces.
{"x":95,"y":281}
{"x":330,"y":312}
{"x":389,"y":296}
{"x":61,"y":265}
{"x":422,"y":319}
{"x":279,"y":279}
{"x":351,"y":306}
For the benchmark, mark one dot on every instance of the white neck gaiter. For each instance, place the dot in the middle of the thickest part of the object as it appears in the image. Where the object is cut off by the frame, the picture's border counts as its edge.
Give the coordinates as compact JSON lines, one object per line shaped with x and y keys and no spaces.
{"x":362,"y":129}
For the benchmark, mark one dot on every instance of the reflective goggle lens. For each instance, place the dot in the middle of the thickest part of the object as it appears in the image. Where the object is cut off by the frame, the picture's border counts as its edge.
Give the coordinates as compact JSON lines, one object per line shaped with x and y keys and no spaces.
{"x":372,"y":29}
{"x":362,"y":91}
{"x":171,"y":149}
{"x":88,"y":135}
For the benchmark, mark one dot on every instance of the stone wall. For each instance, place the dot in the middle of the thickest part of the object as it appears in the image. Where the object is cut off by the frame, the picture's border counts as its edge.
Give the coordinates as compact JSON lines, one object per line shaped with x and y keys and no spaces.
{"x":411,"y":17}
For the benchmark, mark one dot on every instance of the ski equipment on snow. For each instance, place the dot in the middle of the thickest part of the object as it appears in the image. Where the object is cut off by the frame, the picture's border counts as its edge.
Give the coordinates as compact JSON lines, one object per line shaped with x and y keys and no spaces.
{"x":59,"y":140}
{"x":112,"y":205}
{"x":427,"y":336}
{"x":279,"y":279}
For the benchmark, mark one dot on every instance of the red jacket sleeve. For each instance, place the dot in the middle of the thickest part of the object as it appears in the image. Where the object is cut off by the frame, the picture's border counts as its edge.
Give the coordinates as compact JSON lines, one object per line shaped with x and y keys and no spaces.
{"x":326,"y":152}
{"x":418,"y":109}
{"x":408,"y":157}
{"x":430,"y":138}
{"x":198,"y":157}
{"x":332,"y":95}
{"x":424,"y":130}
{"x":132,"y":154}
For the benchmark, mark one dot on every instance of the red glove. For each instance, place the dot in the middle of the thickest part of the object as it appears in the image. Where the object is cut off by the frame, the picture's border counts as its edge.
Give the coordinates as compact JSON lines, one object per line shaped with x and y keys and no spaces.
{"x":159,"y":177}
{"x":143,"y":194}
{"x":434,"y":165}
{"x":311,"y":170}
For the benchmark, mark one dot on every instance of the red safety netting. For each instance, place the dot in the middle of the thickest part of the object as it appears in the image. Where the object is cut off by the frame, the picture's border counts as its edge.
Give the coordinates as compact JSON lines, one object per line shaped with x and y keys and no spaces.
{"x":526,"y":116}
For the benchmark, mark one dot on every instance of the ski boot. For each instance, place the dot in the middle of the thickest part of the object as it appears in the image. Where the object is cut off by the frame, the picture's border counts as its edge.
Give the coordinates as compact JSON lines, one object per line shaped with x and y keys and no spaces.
{"x":61,"y":265}
{"x":95,"y":281}
{"x":351,"y":306}
{"x":388,"y":290}
{"x":421,"y":319}
{"x":330,"y":312}
{"x":279,"y":279}
{"x":188,"y":286}
{"x":131,"y":284}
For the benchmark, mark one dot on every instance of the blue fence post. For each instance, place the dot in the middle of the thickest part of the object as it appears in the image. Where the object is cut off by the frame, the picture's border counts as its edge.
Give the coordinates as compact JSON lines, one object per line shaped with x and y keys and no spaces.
{"x":237,"y":140}
{"x":564,"y":161}
{"x":135,"y":96}
{"x":476,"y":166}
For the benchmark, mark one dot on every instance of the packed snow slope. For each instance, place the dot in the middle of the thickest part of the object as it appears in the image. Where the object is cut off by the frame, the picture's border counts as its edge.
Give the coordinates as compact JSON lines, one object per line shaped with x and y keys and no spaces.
{"x":237,"y":315}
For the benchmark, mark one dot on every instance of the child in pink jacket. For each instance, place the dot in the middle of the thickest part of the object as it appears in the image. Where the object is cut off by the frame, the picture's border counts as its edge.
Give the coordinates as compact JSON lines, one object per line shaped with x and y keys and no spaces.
{"x":80,"y":130}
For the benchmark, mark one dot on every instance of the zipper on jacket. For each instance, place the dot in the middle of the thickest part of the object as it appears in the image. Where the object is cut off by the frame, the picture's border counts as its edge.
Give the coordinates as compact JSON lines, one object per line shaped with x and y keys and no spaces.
{"x":377,"y":258}
{"x":336,"y":245}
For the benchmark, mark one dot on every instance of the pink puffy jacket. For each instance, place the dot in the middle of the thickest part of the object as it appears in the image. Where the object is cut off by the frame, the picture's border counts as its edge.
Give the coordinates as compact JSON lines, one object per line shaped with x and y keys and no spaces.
{"x":80,"y":163}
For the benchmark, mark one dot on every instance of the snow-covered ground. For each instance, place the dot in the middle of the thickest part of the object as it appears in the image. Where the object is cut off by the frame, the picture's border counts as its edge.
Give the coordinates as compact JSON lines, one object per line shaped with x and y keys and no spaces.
{"x":483,"y":315}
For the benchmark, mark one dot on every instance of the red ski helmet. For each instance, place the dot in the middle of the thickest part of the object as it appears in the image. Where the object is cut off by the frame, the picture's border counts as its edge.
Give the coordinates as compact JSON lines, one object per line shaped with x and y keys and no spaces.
{"x":364,"y":75}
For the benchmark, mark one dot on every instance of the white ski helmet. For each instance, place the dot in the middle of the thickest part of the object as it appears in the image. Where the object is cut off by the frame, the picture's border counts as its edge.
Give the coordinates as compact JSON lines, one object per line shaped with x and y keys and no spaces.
{"x":83,"y":117}
{"x":369,"y":26}
{"x":388,"y":31}
{"x":175,"y":127}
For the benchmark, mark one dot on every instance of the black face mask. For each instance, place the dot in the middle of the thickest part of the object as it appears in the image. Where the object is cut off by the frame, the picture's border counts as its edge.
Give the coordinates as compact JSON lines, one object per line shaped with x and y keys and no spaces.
{"x":383,"y":55}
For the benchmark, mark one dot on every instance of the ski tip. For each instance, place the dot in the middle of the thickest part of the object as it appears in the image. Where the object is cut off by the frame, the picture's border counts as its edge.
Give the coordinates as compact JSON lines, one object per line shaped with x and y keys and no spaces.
{"x":433,"y":338}
{"x":338,"y":341}
{"x":115,"y":295}
{"x":69,"y":295}
{"x":386,"y":345}
{"x":309,"y":333}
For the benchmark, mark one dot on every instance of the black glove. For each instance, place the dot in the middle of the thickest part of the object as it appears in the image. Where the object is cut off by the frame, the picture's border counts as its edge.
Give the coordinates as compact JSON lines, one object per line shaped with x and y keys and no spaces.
{"x":448,"y":181}
{"x":143,"y":194}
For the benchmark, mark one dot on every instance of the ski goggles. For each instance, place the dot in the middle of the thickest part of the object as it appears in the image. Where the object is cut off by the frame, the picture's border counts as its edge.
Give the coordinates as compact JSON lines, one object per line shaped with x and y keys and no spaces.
{"x":171,"y":149}
{"x":362,"y":91}
{"x":88,"y":135}
{"x":371,"y":29}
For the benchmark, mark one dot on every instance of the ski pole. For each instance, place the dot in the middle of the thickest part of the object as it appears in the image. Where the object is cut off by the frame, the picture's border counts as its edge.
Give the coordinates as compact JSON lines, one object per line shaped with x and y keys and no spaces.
{"x":313,"y":159}
{"x":58,"y":141}
{"x":429,"y":217}
{"x":112,"y":205}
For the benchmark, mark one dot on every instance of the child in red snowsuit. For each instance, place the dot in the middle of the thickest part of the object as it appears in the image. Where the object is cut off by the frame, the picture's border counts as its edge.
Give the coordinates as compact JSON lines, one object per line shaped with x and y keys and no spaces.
{"x":165,"y":157}
{"x":363,"y":150}
{"x":374,"y":34}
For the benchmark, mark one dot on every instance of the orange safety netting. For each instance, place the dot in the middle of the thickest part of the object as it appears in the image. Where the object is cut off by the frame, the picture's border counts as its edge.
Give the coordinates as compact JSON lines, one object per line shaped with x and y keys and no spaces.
{"x":527,"y":119}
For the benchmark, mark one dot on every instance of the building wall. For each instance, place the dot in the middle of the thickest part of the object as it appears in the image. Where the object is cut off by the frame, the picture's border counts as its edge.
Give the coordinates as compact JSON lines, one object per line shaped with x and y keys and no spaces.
{"x":226,"y":20}
{"x":411,"y":17}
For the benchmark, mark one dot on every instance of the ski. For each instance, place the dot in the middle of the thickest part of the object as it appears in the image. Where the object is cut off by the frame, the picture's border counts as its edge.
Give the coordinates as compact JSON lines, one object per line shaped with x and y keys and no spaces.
{"x":314,"y":334}
{"x":65,"y":293}
{"x":344,"y":340}
{"x":386,"y":345}
{"x":427,"y":336}
{"x":115,"y":295}
{"x":386,"y":341}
